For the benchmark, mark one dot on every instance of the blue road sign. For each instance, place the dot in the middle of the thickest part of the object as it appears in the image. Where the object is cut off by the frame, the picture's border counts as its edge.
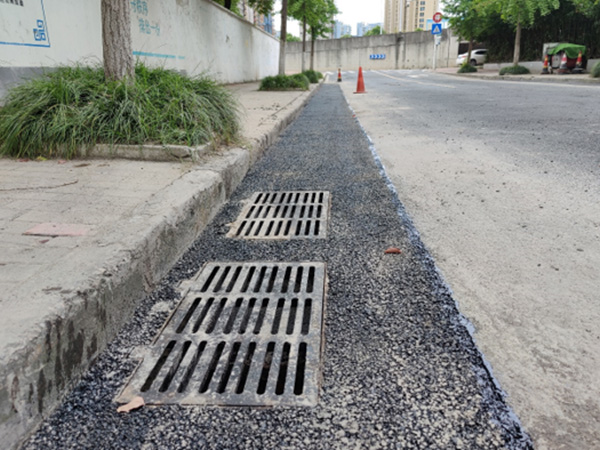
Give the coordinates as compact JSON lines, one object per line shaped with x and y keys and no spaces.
{"x":377,"y":56}
{"x":436,"y":28}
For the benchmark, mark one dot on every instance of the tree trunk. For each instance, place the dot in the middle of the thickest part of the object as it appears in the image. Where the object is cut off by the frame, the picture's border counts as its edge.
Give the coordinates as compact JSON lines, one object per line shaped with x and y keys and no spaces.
{"x":517,"y":53}
{"x":116,"y":40}
{"x":303,"y":43}
{"x":312,"y":51}
{"x":470,"y":50}
{"x":282,"y":39}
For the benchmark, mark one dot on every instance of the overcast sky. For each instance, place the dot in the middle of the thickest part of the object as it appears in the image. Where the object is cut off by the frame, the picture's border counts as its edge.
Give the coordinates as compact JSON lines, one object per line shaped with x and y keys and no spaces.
{"x":352,"y":12}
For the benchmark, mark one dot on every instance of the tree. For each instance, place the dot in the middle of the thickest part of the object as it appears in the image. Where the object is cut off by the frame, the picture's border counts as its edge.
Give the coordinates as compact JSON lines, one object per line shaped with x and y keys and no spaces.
{"x":313,"y":14}
{"x":464,"y":20}
{"x":292,"y":38}
{"x":519,"y":14}
{"x":284,"y":13}
{"x":116,"y":40}
{"x":375,"y":31}
{"x":322,"y":27}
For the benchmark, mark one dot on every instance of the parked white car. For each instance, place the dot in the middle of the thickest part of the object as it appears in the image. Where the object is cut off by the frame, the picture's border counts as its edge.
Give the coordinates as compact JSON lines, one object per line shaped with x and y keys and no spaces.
{"x":477,"y":57}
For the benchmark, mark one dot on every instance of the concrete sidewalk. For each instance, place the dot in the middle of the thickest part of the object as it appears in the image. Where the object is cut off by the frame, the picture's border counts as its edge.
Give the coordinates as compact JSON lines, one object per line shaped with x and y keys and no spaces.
{"x":82,"y":241}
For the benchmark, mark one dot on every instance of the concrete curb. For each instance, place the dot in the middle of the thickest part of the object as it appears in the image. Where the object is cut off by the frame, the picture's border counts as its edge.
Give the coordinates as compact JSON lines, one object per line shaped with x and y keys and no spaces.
{"x":581,"y":79}
{"x":87,"y":315}
{"x":146,"y":152}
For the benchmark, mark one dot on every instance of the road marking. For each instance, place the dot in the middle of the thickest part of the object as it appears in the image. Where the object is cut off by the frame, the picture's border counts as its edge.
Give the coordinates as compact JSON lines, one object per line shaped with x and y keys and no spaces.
{"x":414,"y":81}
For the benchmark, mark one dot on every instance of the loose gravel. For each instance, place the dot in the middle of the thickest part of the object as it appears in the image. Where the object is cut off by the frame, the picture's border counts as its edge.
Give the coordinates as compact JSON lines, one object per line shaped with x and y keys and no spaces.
{"x":400,"y":369}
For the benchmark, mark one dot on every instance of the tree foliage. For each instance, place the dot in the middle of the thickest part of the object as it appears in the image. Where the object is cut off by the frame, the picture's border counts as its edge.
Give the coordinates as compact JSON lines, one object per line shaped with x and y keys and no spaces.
{"x":316,"y":17}
{"x":518,"y":13}
{"x":464,"y":19}
{"x":375,"y":31}
{"x":260,"y":6}
{"x":569,"y":23}
{"x":527,"y":23}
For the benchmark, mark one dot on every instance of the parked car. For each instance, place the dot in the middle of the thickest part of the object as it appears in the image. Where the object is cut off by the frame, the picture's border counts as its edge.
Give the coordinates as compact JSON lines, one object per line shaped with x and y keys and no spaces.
{"x":477,"y":57}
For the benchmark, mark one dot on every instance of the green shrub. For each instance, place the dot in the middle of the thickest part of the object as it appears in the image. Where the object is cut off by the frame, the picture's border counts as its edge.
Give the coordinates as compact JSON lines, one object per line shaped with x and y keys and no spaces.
{"x":595,"y":70}
{"x":74,"y":107}
{"x":284,"y":83}
{"x":466,"y":67}
{"x":514,"y":70}
{"x":313,"y":76}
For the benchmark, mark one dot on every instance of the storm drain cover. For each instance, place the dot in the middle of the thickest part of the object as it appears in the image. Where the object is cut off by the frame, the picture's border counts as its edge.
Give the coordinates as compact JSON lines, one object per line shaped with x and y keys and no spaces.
{"x":246,"y":334}
{"x":283,"y":215}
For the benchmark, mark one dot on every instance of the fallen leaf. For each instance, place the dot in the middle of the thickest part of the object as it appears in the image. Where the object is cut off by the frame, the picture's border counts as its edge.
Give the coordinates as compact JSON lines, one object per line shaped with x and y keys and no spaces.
{"x":23,"y":160}
{"x":393,"y":250}
{"x":62,"y":161}
{"x":136,"y":403}
{"x":81,"y":165}
{"x":41,"y":158}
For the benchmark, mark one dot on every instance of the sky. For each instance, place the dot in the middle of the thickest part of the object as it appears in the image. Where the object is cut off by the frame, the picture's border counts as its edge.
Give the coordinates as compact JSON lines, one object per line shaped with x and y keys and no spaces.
{"x":352,"y":12}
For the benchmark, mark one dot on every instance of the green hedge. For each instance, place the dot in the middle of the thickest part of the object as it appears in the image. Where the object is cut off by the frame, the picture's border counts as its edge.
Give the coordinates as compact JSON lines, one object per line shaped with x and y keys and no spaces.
{"x":514,"y":70}
{"x":285,"y":83}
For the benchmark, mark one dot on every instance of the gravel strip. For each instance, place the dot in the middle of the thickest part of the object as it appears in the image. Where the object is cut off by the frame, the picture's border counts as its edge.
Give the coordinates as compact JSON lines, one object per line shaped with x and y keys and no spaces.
{"x":400,"y":369}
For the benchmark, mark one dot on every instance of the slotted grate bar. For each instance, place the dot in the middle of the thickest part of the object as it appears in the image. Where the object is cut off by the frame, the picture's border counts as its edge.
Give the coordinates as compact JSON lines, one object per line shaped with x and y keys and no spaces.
{"x":283,"y":215}
{"x":246,"y":334}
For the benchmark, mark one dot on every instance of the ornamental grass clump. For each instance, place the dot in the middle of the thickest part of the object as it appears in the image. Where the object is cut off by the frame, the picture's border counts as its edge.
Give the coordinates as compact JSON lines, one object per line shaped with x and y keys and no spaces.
{"x":75,"y":107}
{"x":313,"y":75}
{"x":514,"y":70}
{"x":595,"y":73}
{"x":285,"y":83}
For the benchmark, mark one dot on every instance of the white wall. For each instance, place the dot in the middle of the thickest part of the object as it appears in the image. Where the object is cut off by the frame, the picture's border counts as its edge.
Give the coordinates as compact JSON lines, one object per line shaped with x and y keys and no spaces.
{"x":402,"y":51}
{"x":192,"y":35}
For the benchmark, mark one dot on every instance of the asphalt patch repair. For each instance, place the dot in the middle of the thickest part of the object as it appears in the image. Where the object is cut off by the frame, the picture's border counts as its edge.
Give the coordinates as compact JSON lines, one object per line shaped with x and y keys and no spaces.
{"x":399,"y":368}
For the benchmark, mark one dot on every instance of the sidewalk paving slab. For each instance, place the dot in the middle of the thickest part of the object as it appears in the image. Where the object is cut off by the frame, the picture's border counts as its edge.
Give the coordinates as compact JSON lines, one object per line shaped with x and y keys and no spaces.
{"x":64,"y":297}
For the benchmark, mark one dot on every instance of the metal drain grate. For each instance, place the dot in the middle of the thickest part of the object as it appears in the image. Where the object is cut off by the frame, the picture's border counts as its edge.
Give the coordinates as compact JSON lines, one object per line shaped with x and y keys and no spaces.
{"x":283,"y":215}
{"x":245,"y":334}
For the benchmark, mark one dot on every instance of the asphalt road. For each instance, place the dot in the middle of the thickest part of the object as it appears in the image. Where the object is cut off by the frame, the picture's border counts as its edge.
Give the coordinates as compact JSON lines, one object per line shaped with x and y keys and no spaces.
{"x":502,"y":180}
{"x":399,"y":368}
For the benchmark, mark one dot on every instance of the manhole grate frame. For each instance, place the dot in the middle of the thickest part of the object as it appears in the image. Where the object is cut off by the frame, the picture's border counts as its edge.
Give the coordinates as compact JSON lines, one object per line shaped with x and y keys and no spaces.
{"x":301,"y":339}
{"x":283,"y":215}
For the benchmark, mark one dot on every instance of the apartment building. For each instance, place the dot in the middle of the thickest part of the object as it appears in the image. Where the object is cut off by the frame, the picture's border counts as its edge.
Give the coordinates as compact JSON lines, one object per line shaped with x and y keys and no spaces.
{"x":408,"y":15}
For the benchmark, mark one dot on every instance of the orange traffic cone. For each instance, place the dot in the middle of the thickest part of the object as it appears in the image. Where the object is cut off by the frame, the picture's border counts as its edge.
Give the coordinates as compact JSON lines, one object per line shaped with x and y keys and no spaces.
{"x":339,"y":75}
{"x":563,"y":69}
{"x":578,"y":68}
{"x":545,"y":68}
{"x":360,"y":86}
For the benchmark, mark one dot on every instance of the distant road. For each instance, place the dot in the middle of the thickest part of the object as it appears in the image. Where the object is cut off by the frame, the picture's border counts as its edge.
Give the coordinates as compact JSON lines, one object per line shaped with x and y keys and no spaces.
{"x":502,"y":179}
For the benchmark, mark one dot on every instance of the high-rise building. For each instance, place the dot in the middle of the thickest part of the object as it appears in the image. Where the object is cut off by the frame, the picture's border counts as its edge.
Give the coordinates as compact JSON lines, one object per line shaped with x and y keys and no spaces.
{"x":340,"y":29}
{"x":408,"y":15}
{"x":418,"y":12}
{"x":392,"y":18}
